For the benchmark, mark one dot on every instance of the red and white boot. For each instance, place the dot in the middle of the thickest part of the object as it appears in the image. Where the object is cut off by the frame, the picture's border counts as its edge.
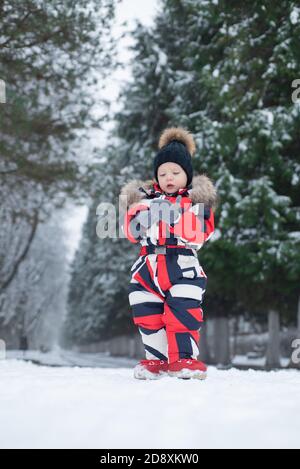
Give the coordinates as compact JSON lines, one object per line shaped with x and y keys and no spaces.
{"x":151,"y":369}
{"x":188,"y":368}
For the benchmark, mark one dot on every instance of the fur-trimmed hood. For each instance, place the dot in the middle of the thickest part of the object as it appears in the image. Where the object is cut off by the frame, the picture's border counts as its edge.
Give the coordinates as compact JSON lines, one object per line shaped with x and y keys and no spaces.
{"x":202,"y":191}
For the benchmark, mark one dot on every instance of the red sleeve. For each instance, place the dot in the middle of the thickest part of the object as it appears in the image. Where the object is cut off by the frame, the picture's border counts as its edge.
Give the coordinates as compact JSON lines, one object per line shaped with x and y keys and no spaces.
{"x":128,"y":225}
{"x":195,"y":228}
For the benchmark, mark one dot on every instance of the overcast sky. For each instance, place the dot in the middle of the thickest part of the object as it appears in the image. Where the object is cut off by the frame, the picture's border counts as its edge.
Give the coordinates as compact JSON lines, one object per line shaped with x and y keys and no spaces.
{"x":127,"y":10}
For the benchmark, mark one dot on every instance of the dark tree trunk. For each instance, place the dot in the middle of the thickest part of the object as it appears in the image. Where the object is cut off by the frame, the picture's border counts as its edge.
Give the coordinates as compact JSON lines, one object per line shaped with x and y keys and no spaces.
{"x":273,"y":350}
{"x":295,"y":354}
{"x":204,"y":354}
{"x":222,"y":342}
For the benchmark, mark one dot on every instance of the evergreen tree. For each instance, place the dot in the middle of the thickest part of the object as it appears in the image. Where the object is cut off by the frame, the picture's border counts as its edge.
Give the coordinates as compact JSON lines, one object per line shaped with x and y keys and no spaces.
{"x":97,"y":298}
{"x":255,"y":146}
{"x":98,"y":305}
{"x":53,"y":57}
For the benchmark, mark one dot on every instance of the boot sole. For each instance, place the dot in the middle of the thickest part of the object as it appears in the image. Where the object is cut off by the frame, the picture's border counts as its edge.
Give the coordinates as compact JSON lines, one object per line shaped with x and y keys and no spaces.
{"x":188,"y":374}
{"x":144,"y":375}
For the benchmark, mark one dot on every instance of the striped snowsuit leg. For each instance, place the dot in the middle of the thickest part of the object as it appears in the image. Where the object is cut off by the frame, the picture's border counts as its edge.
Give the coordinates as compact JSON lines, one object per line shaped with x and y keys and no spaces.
{"x":147,"y":303}
{"x":166,"y":293}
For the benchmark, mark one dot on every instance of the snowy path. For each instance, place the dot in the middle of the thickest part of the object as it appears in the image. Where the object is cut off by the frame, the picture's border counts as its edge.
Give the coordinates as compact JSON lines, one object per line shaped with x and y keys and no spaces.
{"x":44,"y":407}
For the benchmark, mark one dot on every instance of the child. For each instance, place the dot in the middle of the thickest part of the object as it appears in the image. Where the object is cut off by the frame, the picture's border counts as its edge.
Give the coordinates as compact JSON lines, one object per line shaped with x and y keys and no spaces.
{"x":167,"y":282}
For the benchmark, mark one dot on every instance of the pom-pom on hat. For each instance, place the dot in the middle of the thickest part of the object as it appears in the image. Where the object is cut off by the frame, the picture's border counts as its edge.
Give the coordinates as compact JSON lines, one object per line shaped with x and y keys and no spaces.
{"x":176,"y":145}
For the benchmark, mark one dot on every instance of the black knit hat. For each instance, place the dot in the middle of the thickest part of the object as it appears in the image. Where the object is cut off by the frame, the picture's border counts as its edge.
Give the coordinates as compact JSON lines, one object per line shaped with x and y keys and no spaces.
{"x":176,"y":145}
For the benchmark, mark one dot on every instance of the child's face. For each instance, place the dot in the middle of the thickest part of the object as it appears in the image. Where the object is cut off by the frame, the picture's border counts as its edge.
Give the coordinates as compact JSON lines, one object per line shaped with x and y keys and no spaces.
{"x":171,"y":177}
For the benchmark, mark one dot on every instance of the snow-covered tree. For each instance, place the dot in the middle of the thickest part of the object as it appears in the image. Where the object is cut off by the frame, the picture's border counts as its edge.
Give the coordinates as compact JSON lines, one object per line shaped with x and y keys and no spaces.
{"x":33,"y":307}
{"x":53,"y":57}
{"x":97,"y":297}
{"x":233,"y":76}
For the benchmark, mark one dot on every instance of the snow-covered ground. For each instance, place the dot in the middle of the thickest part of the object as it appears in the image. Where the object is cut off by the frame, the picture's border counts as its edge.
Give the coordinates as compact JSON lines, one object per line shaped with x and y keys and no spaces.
{"x":60,"y":357}
{"x":44,"y":407}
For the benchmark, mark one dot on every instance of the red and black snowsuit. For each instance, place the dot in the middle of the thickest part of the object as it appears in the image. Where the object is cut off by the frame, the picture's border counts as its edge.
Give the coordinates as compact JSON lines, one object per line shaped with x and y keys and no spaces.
{"x":167,"y":282}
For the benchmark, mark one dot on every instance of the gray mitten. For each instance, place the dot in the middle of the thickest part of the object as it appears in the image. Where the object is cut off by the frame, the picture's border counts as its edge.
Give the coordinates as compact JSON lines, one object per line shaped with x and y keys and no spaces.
{"x":144,"y":218}
{"x":148,"y":217}
{"x":164,"y":210}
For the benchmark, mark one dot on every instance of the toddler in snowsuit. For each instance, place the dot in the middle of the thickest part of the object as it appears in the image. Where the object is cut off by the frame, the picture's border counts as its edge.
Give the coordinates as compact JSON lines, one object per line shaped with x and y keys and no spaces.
{"x":172,"y":217}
